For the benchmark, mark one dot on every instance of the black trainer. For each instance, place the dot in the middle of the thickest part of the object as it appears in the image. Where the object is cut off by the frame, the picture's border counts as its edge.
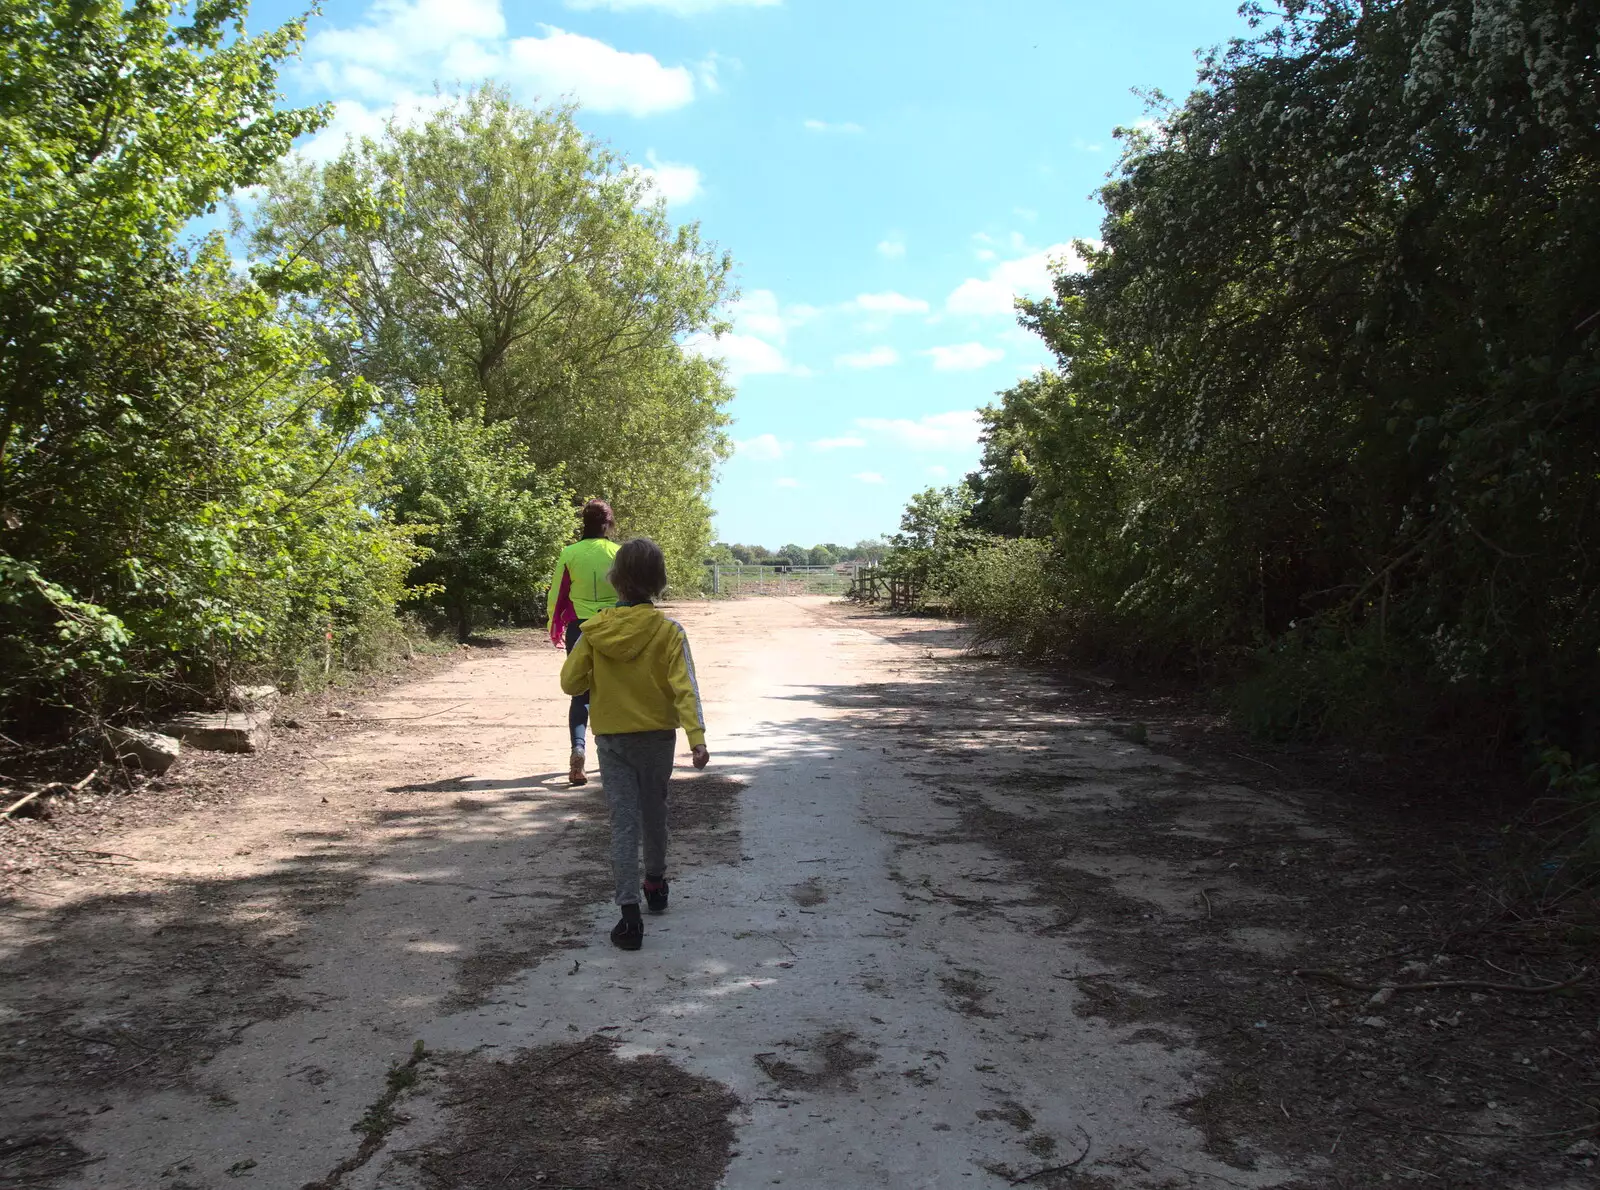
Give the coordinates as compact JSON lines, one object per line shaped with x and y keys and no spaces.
{"x":655,"y":895}
{"x":629,"y":932}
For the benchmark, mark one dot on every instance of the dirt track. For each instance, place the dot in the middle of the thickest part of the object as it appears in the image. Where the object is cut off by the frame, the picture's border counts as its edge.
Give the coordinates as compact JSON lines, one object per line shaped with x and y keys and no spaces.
{"x":932,"y":926}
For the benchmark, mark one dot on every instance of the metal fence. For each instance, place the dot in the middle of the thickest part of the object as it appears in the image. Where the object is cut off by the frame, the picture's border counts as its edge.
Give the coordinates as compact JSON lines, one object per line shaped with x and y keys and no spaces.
{"x":736,"y":580}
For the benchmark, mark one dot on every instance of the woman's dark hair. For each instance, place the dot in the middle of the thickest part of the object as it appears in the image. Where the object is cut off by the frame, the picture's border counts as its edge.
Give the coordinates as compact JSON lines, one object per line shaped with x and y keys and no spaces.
{"x":638,"y":571}
{"x":597,"y":518}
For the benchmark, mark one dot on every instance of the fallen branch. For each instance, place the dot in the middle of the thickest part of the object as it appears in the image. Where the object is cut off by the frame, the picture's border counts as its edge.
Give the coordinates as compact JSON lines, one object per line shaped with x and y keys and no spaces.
{"x":45,"y":790}
{"x":22,"y":802}
{"x":1480,"y":985}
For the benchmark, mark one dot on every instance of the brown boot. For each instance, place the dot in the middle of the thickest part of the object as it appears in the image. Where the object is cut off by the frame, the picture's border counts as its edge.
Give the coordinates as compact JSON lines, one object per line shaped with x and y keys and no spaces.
{"x":575,"y":773}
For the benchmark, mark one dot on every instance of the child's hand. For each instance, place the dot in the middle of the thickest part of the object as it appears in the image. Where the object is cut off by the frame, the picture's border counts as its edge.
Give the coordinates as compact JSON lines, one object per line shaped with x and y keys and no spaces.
{"x":701,"y":756}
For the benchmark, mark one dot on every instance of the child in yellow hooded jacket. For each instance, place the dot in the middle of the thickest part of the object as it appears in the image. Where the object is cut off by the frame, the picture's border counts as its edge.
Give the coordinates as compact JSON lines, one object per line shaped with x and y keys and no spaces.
{"x":636,"y":667}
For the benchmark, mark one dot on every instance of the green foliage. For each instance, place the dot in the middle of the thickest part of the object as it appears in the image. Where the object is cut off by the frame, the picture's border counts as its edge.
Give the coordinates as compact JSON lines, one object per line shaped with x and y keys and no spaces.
{"x":934,"y":532}
{"x":181,"y":495}
{"x":53,"y":636}
{"x":1006,"y":587}
{"x":493,"y":524}
{"x":1320,"y":681}
{"x":1324,"y":408}
{"x":203,"y":476}
{"x":498,"y":256}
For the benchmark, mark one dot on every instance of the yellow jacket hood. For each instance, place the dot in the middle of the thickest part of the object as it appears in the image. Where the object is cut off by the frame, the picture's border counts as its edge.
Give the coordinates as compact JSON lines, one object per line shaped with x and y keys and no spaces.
{"x":622,"y":633}
{"x":636,"y":665}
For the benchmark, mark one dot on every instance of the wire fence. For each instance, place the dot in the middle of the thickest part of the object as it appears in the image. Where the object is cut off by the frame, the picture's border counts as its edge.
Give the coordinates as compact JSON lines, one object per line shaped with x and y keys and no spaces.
{"x":863,"y":582}
{"x":732,"y":581}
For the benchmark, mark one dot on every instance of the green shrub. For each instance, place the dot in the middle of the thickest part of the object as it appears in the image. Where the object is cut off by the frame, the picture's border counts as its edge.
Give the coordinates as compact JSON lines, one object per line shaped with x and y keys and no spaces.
{"x":493,"y":524}
{"x":1321,"y":682}
{"x":1004,"y":588}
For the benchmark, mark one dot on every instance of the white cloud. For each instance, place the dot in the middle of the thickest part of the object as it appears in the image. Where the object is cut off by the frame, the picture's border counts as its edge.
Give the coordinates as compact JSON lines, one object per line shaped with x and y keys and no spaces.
{"x":762,"y":448}
{"x":401,"y":47}
{"x":1029,"y":275}
{"x":786,"y":481}
{"x":758,"y":313}
{"x":868,"y":477}
{"x":845,"y":442}
{"x":709,"y":70}
{"x":353,"y":119}
{"x":893,"y":248}
{"x":601,"y":77}
{"x":397,"y":39}
{"x":938,"y":471}
{"x":674,"y":182}
{"x":680,"y":8}
{"x":744,"y":355}
{"x":849,"y":129}
{"x":964,"y":357}
{"x":888,"y":303}
{"x":938,"y":431}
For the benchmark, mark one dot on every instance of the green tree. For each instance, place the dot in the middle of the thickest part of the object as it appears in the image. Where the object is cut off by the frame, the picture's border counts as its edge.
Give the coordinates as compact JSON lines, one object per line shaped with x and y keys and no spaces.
{"x":1325,"y":393}
{"x":499,"y":256}
{"x":934,"y":530}
{"x":493,"y":524}
{"x":181,"y":495}
{"x":869,"y":549}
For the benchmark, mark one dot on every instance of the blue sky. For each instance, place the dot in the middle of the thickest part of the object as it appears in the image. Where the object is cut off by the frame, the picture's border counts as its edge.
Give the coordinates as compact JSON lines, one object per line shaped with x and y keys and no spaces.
{"x":886,"y":173}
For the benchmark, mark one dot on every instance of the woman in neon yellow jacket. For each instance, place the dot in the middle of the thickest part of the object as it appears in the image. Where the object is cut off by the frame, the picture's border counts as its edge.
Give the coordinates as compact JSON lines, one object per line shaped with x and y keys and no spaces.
{"x":578,"y":589}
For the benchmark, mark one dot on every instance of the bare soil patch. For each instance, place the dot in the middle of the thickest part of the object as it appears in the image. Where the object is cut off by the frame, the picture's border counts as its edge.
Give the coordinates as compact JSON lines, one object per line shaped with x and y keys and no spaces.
{"x":129,"y":990}
{"x":1204,"y":877}
{"x":577,"y":1115}
{"x":824,"y":1063}
{"x":703,"y":817}
{"x":59,"y":841}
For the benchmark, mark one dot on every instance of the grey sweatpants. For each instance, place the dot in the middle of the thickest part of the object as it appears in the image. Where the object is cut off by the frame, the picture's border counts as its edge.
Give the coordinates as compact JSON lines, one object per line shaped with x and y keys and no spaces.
{"x":635,"y":767}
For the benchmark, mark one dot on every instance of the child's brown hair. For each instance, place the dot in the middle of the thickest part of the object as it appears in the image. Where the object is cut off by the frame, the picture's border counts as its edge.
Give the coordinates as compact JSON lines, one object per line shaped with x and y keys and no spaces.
{"x":639,"y":571}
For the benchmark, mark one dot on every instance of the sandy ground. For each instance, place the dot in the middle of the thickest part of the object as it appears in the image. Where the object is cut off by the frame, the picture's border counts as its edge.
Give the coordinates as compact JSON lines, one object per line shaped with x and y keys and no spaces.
{"x":874,"y":972}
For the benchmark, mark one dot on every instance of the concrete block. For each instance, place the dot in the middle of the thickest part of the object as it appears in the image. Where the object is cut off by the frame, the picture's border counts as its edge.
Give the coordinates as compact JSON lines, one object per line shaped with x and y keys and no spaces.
{"x":148,"y":750}
{"x":221,"y":731}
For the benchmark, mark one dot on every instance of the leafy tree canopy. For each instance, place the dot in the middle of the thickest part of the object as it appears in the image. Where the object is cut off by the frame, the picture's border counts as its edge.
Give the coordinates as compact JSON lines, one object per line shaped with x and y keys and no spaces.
{"x":498,"y":256}
{"x":1325,"y":397}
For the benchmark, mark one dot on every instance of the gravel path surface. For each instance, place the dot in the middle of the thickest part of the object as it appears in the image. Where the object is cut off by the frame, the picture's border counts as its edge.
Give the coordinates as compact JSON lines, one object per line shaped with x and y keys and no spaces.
{"x":930,"y":927}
